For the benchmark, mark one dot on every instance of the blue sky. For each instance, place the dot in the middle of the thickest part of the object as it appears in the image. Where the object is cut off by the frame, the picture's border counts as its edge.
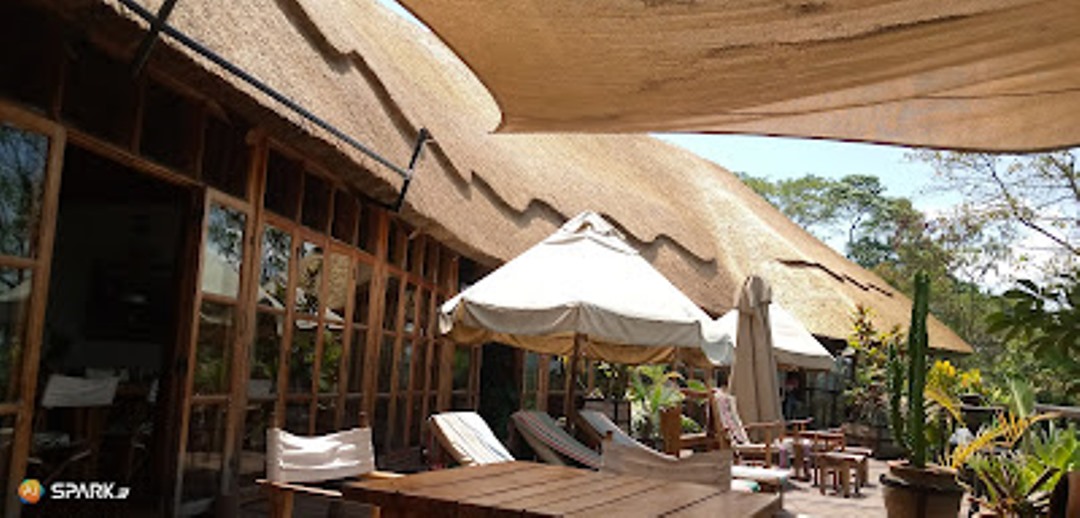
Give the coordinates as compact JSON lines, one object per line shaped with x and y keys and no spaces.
{"x":778,"y":158}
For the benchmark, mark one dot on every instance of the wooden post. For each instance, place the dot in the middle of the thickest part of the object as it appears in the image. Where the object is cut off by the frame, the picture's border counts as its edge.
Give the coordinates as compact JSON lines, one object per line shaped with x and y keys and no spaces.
{"x":571,"y":381}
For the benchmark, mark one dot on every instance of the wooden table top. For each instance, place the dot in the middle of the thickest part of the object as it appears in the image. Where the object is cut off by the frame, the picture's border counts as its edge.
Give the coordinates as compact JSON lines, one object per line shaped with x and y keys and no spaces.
{"x":530,"y":489}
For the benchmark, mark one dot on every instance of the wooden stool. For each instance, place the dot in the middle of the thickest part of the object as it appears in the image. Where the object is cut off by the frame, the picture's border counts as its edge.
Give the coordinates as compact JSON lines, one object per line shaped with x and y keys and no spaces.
{"x":864,"y":466}
{"x":840,"y":466}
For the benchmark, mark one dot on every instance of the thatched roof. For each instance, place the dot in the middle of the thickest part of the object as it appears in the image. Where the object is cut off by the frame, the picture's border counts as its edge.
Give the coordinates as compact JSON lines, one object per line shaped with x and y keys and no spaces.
{"x":380,"y":78}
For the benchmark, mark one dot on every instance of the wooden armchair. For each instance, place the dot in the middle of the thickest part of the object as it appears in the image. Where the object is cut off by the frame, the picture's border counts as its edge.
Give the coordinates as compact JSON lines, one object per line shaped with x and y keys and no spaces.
{"x":769,"y":440}
{"x":294,"y":461}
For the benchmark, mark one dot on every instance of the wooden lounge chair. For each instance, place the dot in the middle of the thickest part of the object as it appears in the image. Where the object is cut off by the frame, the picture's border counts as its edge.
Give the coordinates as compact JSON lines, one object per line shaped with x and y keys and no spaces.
{"x":712,"y":468}
{"x":467,"y":439}
{"x":293,"y":461}
{"x":596,"y":425}
{"x":550,"y":442}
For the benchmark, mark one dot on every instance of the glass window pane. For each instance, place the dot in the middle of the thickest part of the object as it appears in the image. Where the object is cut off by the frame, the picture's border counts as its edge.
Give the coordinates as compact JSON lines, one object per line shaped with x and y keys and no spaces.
{"x":325,"y":411}
{"x":413,"y":261}
{"x":435,"y":366}
{"x":302,"y":357}
{"x":298,"y":417}
{"x":7,"y":436}
{"x":556,"y":377}
{"x":410,"y":308}
{"x":380,"y":422}
{"x":431,"y":260}
{"x":419,"y":362}
{"x":390,"y":308}
{"x":404,"y":364}
{"x":264,"y":355}
{"x":310,"y":278}
{"x":530,"y":379}
{"x":417,"y":418}
{"x":398,"y":439}
{"x":386,"y":364}
{"x":258,"y":418}
{"x":282,"y":195}
{"x":274,"y":271}
{"x":462,"y":361}
{"x":346,"y":210}
{"x":330,"y":366}
{"x":337,"y":287}
{"x":356,"y":367}
{"x":362,"y":293}
{"x":368,"y":237}
{"x":353,"y":409}
{"x":225,"y":157}
{"x":212,"y":358}
{"x":315,"y":213}
{"x":23,"y":157}
{"x":224,"y":252}
{"x":15,"y":286}
{"x":202,"y":459}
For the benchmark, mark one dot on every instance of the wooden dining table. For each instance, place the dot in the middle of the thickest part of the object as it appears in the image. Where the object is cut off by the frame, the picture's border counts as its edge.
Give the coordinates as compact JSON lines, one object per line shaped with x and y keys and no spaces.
{"x":533,"y":490}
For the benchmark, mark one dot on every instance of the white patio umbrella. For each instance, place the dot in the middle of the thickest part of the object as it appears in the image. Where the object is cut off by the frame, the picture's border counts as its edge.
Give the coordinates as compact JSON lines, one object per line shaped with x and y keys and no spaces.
{"x":793,"y":345}
{"x":583,"y":289}
{"x":753,"y":375}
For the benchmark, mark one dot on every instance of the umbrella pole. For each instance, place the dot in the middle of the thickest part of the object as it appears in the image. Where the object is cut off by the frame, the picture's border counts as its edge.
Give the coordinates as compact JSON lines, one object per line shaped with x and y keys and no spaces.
{"x":571,"y":381}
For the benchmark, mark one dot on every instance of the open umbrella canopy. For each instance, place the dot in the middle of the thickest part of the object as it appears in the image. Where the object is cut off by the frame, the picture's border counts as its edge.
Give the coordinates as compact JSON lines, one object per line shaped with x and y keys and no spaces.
{"x":583,"y":280}
{"x":793,"y":345}
{"x":753,"y":376}
{"x":969,"y":74}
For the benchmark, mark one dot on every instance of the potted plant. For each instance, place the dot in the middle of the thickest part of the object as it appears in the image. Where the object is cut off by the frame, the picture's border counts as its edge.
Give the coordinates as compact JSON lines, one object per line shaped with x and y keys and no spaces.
{"x":912,"y":487}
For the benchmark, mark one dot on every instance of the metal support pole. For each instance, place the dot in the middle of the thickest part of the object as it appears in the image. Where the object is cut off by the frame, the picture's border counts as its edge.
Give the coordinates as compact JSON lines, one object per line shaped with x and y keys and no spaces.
{"x":162,"y":27}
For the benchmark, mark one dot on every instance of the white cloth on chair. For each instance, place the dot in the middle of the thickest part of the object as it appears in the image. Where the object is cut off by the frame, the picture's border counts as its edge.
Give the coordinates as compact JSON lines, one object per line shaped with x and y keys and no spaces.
{"x":293,"y":458}
{"x":72,"y":392}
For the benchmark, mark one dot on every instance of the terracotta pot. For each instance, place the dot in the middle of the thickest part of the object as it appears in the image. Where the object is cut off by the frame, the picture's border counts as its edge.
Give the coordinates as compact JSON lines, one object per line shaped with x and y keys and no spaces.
{"x":920,"y":493}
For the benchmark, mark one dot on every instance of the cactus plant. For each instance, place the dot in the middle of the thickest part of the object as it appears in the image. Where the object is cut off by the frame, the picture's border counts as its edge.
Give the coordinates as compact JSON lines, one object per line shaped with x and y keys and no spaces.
{"x":908,"y":427}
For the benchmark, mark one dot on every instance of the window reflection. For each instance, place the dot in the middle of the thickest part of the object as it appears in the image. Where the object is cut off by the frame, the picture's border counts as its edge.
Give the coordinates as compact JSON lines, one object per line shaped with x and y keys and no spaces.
{"x":337,"y":287}
{"x":15,"y":287}
{"x":274,"y":271}
{"x":308,"y":283}
{"x":212,"y":349}
{"x":23,"y":156}
{"x":224,"y":251}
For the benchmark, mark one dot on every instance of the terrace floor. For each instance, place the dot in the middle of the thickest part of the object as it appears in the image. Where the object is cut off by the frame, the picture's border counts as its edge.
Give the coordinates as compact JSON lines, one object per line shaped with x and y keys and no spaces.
{"x":806,"y":499}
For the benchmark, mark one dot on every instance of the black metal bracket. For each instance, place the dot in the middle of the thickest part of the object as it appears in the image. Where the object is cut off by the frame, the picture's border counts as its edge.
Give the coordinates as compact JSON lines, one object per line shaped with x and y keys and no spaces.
{"x":147,"y":44}
{"x":418,"y":149}
{"x":158,"y":25}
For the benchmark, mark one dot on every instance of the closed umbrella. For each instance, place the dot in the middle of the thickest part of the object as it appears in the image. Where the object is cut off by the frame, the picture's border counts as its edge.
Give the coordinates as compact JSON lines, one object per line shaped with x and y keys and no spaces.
{"x":583,"y":289}
{"x":753,"y":375}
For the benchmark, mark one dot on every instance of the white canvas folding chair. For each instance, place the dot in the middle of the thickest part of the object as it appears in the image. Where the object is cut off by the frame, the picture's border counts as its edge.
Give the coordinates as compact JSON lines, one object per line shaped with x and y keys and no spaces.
{"x":292,"y":460}
{"x":86,"y":396}
{"x":468,"y":439}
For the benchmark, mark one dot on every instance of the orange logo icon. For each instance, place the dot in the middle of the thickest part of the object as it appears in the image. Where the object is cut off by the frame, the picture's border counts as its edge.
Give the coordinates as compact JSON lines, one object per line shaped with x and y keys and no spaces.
{"x":30,"y":491}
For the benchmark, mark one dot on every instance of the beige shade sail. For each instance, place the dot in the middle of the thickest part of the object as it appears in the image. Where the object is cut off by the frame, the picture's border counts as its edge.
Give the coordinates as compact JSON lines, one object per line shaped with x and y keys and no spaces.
{"x":793,"y":345}
{"x":753,"y":375}
{"x":966,"y":74}
{"x":583,"y":280}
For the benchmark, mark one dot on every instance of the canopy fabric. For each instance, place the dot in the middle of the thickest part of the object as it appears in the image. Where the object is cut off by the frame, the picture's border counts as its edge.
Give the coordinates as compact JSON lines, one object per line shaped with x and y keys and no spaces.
{"x":968,"y":74}
{"x":753,"y":376}
{"x":793,"y":345}
{"x":582,"y":280}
